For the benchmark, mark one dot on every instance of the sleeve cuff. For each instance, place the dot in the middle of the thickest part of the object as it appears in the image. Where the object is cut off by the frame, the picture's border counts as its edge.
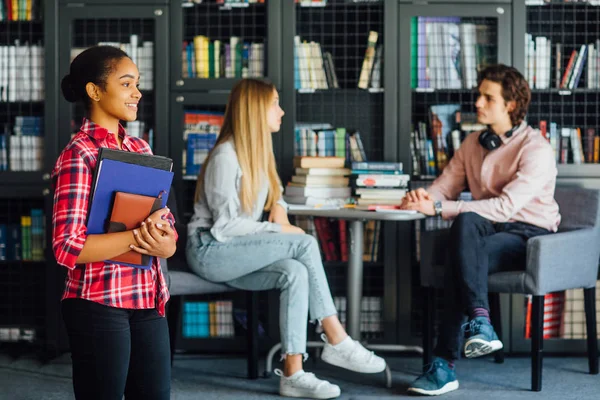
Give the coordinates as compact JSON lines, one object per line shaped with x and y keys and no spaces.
{"x":450,"y":209}
{"x":69,"y":252}
{"x":283,"y":204}
{"x":275,"y":227}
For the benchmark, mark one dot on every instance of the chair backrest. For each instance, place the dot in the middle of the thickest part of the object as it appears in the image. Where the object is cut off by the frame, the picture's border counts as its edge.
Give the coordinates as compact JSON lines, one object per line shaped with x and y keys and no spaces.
{"x":579,"y":207}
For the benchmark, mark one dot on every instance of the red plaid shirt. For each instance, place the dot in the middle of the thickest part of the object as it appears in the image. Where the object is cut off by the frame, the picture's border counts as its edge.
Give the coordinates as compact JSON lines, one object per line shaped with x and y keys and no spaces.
{"x":109,"y":284}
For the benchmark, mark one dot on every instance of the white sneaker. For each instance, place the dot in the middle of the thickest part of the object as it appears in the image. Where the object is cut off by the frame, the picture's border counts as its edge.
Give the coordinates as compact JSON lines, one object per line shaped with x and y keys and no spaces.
{"x":306,"y":384}
{"x":350,"y":354}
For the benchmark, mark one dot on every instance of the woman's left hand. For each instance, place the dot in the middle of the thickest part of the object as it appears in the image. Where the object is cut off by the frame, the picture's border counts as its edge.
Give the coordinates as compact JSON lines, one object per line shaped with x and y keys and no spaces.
{"x":156,"y":240}
{"x":279,"y":215}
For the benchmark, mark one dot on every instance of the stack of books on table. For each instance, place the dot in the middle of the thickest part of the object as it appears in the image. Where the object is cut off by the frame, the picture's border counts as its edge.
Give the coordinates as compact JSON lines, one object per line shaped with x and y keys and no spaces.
{"x":378,"y":184}
{"x":318,"y":182}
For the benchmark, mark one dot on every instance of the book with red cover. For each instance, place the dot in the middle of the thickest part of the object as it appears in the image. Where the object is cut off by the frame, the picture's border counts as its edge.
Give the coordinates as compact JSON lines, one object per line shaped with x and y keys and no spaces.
{"x":119,"y":176}
{"x":128,"y":212}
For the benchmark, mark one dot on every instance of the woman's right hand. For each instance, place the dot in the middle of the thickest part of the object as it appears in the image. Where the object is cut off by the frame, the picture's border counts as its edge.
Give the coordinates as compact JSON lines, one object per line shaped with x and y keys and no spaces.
{"x":291,"y":229}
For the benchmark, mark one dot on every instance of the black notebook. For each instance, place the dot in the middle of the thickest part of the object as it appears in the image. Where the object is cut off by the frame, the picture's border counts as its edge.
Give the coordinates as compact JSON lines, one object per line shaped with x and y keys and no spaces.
{"x":145,"y":160}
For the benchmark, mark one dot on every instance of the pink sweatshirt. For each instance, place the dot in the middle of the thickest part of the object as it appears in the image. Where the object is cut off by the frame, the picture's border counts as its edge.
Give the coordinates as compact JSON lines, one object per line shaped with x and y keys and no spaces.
{"x":514,"y":183}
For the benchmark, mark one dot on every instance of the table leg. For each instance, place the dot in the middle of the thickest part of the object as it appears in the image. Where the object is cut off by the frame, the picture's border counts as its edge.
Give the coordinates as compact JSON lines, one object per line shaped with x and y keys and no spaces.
{"x":355,"y":278}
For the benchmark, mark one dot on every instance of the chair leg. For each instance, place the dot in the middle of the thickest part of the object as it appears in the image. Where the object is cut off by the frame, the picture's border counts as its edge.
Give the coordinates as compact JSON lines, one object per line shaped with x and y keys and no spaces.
{"x":537,"y":342}
{"x":252,"y":310}
{"x":589,"y":296}
{"x":496,"y":317}
{"x":428,"y":325}
{"x":173,"y":314}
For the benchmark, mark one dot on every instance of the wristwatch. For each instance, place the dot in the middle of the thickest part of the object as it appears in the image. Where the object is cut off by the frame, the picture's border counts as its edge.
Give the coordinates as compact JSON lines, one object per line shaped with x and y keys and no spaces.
{"x":437,"y":206}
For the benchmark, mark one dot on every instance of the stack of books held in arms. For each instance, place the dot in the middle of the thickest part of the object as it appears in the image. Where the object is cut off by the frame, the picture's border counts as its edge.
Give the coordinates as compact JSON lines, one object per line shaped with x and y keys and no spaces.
{"x":378,"y":184}
{"x":318,"y":182}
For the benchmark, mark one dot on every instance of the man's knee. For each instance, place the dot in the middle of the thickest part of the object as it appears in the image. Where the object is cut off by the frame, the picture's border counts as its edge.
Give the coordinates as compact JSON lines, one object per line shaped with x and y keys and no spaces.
{"x":465,"y":222}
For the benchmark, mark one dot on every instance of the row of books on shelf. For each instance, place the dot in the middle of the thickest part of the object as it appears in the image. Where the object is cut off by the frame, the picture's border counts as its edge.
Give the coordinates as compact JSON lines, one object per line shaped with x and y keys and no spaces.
{"x":225,"y":2}
{"x":311,"y":3}
{"x":325,"y":140}
{"x":210,"y":59}
{"x":432,"y":144}
{"x":208,"y":319}
{"x":572,"y":145}
{"x":564,"y":314}
{"x":22,"y":72}
{"x":142,"y":54}
{"x":314,"y":68}
{"x":538,"y":61}
{"x":20,"y":10}
{"x":448,"y":53}
{"x":17,"y":333}
{"x":371,"y":313}
{"x":332,"y":235}
{"x":218,"y":319}
{"x":23,"y":149}
{"x":201,"y":129}
{"x":26,"y":241}
{"x":323,"y":3}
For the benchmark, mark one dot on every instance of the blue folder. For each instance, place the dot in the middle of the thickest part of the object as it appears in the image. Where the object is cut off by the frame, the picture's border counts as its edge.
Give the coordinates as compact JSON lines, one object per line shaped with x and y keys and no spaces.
{"x":116,"y":176}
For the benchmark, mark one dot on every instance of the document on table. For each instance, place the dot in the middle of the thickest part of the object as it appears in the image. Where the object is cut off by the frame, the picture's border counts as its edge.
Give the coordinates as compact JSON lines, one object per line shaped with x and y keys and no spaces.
{"x":397,"y":211}
{"x":305,"y":207}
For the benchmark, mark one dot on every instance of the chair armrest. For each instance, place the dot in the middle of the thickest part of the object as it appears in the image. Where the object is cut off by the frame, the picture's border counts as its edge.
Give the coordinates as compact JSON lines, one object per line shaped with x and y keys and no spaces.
{"x":560,"y":261}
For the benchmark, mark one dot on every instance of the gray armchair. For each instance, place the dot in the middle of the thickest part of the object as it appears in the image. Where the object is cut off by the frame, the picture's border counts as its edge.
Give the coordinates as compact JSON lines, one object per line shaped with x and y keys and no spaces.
{"x":565,"y":260}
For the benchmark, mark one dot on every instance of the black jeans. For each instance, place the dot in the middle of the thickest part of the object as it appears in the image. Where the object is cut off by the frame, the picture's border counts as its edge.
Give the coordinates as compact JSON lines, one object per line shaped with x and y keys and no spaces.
{"x":117,"y":351}
{"x":476,"y":248}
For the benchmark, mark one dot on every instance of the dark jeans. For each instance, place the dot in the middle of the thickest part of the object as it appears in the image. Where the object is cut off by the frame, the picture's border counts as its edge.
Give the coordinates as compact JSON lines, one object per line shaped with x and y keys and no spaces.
{"x":117,"y":351}
{"x":476,"y":248}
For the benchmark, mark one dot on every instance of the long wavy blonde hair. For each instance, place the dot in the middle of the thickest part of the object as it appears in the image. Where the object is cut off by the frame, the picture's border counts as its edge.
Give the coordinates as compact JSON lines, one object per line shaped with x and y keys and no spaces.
{"x":246,"y":122}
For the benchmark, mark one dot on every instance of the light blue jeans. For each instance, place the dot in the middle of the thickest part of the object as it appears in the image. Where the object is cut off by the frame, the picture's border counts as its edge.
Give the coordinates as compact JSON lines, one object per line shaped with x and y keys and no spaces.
{"x":288,"y":262}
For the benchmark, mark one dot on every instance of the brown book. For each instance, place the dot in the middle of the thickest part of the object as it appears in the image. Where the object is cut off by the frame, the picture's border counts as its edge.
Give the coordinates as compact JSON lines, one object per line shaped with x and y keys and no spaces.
{"x":318,"y":162}
{"x":309,"y":180}
{"x":128,"y":212}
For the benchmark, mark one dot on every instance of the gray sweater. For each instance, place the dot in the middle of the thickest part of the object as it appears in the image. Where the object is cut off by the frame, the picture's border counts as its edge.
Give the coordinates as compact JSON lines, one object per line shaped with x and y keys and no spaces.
{"x":219,"y":207}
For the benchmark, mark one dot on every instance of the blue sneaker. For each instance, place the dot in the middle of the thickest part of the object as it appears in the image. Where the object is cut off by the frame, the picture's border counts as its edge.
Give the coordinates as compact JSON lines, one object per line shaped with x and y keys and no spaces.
{"x":438,"y":379}
{"x":481,"y":339}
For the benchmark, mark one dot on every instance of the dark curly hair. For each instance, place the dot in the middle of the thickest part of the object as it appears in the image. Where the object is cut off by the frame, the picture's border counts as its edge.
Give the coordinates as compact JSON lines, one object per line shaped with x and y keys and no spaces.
{"x":92,"y":65}
{"x":514,"y":88}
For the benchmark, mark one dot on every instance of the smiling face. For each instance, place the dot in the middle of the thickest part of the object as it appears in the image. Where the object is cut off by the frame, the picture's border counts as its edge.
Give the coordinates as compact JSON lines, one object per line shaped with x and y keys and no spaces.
{"x":120,"y":97}
{"x":274,"y":113}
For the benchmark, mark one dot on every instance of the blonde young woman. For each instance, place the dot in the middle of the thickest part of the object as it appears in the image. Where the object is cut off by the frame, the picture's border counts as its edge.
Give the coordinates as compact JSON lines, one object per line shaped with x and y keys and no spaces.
{"x":227,"y":243}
